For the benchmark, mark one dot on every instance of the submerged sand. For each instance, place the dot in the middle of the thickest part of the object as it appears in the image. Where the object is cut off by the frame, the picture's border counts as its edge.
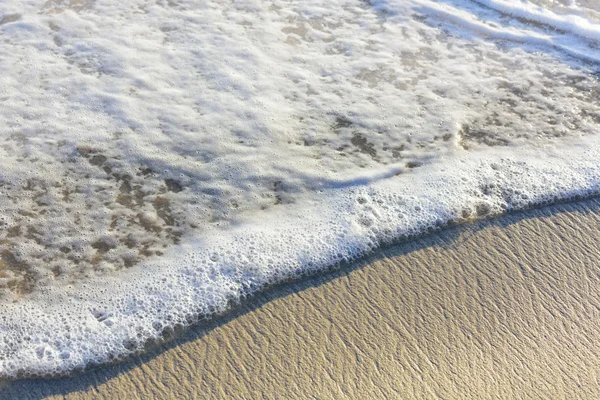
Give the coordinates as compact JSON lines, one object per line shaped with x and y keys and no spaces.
{"x":508,"y":308}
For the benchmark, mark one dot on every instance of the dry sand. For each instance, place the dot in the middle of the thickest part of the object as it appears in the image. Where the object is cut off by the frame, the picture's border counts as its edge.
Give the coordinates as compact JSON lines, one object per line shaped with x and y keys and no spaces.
{"x":504,"y":309}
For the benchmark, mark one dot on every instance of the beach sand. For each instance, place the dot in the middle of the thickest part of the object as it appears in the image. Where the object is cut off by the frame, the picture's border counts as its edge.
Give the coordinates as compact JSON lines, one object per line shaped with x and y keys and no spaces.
{"x":501,"y":309}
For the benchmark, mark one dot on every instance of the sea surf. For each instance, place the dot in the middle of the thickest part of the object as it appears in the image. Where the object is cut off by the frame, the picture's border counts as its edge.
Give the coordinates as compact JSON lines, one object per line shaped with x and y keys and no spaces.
{"x":161,"y":160}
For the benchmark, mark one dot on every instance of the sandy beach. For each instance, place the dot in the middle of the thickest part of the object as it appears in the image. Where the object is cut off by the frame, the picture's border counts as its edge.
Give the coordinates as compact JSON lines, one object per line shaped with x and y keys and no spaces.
{"x":500,"y":309}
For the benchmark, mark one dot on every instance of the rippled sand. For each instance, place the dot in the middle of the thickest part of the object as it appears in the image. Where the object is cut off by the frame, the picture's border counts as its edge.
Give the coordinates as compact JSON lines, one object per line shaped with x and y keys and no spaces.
{"x":508,"y":308}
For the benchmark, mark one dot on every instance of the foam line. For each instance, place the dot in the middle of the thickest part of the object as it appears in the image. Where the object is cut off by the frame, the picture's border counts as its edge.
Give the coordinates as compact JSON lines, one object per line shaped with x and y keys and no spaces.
{"x":469,"y":21}
{"x":574,"y":24}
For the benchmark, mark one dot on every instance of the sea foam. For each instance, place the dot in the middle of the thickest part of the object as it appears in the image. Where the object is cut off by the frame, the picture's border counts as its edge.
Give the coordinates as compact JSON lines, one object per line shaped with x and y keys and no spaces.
{"x":162,"y":160}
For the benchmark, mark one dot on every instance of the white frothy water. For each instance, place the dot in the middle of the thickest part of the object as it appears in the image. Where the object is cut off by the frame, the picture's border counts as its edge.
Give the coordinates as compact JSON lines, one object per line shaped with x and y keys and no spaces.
{"x":160,"y":160}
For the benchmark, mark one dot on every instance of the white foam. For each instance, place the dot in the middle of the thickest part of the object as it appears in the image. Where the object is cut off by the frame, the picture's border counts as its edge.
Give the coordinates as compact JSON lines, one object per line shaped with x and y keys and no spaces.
{"x":160,"y":161}
{"x":575,"y":24}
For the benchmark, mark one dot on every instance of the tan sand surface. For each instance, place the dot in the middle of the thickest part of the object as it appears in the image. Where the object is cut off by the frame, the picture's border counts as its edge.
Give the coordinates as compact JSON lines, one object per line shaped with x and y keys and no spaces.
{"x":501,"y":309}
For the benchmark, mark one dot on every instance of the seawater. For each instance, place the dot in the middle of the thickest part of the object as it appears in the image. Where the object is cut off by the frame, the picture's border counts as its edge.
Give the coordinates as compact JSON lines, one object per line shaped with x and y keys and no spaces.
{"x":160,"y":160}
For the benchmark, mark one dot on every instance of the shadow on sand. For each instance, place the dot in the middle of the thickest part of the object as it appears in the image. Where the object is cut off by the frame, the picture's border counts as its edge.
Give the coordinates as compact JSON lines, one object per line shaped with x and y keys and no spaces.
{"x":40,"y":388}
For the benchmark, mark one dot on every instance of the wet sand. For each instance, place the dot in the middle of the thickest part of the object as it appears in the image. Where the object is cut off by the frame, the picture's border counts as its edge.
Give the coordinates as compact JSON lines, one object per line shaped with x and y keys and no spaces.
{"x":501,"y":309}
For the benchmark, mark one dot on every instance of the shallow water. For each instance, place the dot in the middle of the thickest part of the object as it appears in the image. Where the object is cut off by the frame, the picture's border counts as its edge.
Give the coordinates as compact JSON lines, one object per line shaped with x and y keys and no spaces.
{"x":162,"y":159}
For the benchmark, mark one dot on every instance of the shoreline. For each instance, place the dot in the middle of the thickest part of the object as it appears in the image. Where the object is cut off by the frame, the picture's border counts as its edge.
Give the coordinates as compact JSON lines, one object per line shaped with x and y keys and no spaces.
{"x":371,"y":291}
{"x":234,"y":310}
